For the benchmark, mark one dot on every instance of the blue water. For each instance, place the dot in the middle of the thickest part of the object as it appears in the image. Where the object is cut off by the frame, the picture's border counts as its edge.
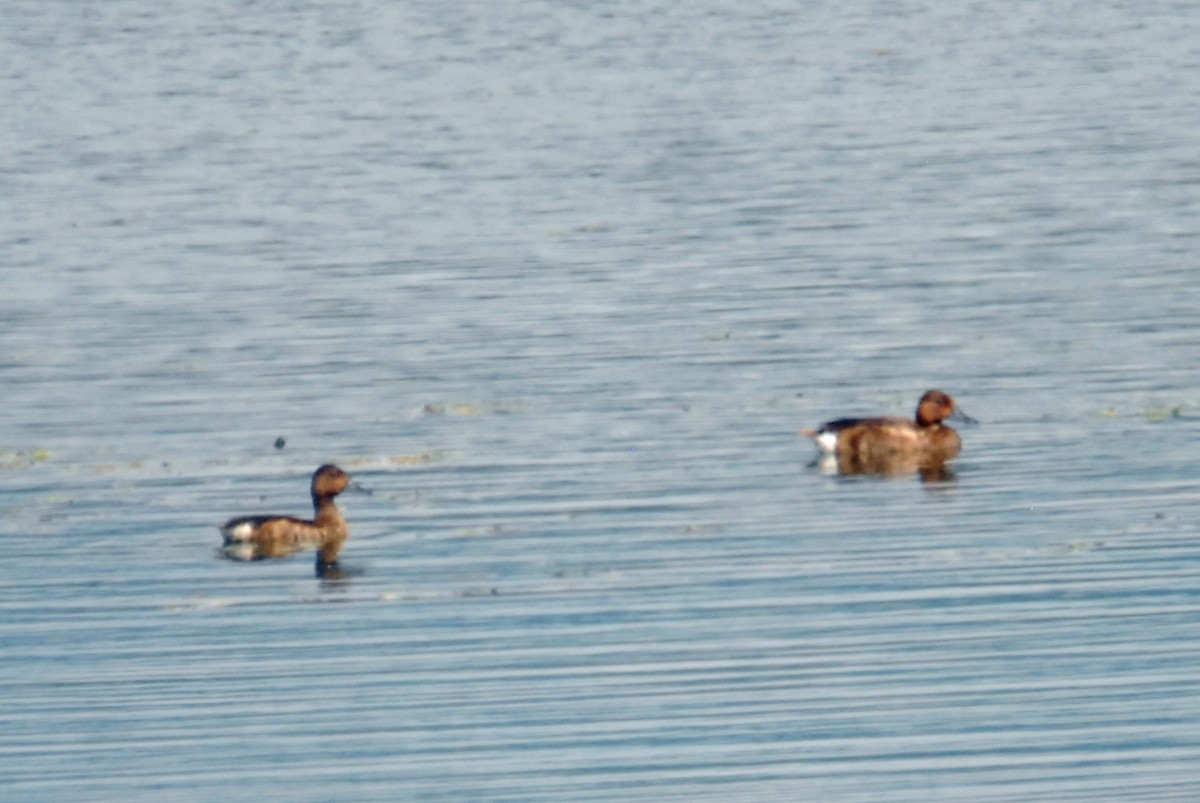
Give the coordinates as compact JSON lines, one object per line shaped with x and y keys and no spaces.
{"x":559,"y":284}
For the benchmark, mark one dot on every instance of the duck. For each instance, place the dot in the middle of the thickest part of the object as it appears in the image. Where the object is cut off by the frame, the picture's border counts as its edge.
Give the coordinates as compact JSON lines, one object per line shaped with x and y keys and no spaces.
{"x":893,"y":445}
{"x":259,"y":537}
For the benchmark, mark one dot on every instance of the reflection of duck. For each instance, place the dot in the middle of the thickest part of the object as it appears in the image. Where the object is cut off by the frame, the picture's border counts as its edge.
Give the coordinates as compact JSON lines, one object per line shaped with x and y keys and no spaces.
{"x":257,"y":537}
{"x":894,"y":445}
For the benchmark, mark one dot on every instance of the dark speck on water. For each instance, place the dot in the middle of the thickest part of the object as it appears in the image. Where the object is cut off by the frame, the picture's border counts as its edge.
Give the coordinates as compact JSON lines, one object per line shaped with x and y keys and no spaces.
{"x":565,"y":283}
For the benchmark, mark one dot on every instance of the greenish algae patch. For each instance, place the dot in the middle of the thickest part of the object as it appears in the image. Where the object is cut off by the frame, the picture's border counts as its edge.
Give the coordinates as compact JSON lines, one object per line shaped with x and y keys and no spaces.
{"x":434,"y":456}
{"x":14,"y":460}
{"x":1152,"y":413}
{"x":462,"y":409}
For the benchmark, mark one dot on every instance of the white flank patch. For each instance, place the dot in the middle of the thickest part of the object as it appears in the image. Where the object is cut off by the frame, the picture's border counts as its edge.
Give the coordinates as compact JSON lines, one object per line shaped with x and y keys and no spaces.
{"x":826,"y":441}
{"x":238,"y":532}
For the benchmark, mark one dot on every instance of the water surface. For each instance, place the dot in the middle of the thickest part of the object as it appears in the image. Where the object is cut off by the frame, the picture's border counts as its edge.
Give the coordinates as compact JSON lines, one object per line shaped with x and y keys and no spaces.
{"x":560,"y":285}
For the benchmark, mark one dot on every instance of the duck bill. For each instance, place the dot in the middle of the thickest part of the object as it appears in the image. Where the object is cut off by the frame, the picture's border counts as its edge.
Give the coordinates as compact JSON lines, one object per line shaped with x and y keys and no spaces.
{"x":959,"y":415}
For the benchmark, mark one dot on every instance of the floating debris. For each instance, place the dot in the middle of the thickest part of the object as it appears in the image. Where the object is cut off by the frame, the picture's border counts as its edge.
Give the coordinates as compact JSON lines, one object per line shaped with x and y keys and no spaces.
{"x":423,"y":457}
{"x":1155,"y":413}
{"x":10,"y":459}
{"x":455,"y":409}
{"x":463,"y":409}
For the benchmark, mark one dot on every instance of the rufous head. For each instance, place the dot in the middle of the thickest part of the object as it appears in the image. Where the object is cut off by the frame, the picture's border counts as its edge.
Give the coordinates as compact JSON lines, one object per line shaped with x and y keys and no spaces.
{"x":329,"y":481}
{"x":934,"y":408}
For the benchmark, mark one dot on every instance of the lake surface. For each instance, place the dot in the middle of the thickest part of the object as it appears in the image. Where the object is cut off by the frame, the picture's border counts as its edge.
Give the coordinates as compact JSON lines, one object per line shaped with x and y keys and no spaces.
{"x":559,"y":283}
